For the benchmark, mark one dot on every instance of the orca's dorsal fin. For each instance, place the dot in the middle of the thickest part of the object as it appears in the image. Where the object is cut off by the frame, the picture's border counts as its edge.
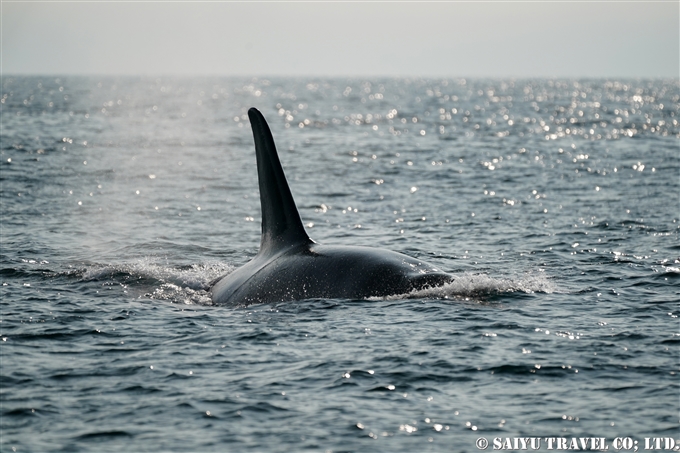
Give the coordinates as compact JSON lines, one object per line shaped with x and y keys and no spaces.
{"x":281,"y":224}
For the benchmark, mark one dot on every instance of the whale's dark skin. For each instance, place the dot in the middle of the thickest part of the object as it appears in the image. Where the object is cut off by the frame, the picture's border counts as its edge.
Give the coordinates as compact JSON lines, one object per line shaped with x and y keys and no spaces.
{"x":290,"y":266}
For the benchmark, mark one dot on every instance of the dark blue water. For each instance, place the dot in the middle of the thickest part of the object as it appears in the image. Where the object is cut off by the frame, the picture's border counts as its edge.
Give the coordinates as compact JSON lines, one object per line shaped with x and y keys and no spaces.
{"x":553,"y":202}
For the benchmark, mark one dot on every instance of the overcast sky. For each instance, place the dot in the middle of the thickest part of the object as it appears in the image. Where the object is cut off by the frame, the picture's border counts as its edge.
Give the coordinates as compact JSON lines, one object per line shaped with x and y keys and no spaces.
{"x":468,"y":39}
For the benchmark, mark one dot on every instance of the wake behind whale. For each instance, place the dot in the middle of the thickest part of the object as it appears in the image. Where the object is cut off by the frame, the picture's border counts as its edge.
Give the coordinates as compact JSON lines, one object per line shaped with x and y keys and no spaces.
{"x":291,"y":266}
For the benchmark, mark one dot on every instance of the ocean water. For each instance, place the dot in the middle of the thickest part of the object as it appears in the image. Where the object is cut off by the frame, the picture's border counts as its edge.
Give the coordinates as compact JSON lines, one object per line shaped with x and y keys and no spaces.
{"x":554,"y":203}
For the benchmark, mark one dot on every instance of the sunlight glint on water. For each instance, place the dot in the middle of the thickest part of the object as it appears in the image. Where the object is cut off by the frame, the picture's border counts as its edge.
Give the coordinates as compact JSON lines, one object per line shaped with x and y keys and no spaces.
{"x":553,"y":202}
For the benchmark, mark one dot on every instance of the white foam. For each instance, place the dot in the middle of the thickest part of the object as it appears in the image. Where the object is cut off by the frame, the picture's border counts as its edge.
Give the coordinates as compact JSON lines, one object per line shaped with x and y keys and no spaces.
{"x":469,"y":285}
{"x":183,"y":285}
{"x":178,"y":294}
{"x":195,"y":276}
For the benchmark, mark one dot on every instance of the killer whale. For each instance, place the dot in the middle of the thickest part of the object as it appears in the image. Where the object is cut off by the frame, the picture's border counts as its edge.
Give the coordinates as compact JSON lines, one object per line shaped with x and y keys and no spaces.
{"x":291,"y":266}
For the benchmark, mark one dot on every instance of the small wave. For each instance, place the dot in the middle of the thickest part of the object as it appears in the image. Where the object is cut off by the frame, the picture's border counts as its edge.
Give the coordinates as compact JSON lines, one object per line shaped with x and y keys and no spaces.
{"x":184,"y":284}
{"x":178,"y":294}
{"x":102,"y":435}
{"x":469,"y":285}
{"x":195,"y":276}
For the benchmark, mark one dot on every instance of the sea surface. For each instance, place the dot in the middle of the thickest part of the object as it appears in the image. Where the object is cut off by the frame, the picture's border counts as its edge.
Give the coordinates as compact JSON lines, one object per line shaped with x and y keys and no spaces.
{"x":554,"y":203}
